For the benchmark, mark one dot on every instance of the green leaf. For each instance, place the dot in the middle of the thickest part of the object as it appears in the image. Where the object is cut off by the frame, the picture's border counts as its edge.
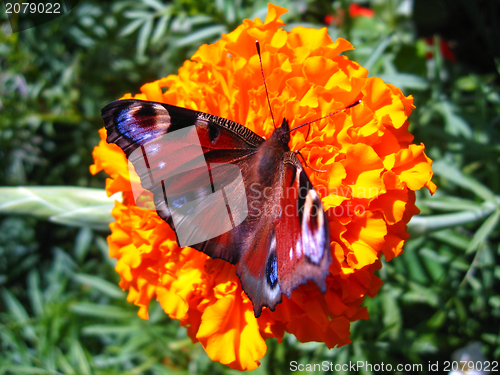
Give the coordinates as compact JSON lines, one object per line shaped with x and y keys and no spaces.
{"x":202,"y":35}
{"x":82,"y":243}
{"x":392,"y":314}
{"x":434,"y":263}
{"x":144,"y":33}
{"x":384,"y":43}
{"x":34,"y":292}
{"x":131,"y":27}
{"x":106,"y":330}
{"x":454,"y":124}
{"x":96,"y":217}
{"x":155,"y":4}
{"x":19,"y":314}
{"x":82,"y":38}
{"x":422,"y":294}
{"x":450,"y":204}
{"x":140,"y":14}
{"x":100,"y":311}
{"x":103,"y":247}
{"x":437,"y":320}
{"x":474,"y":283}
{"x":63,"y":363}
{"x":467,"y":83}
{"x":200,"y":19}
{"x":100,"y":284}
{"x":453,"y":238}
{"x":79,"y":358}
{"x":160,"y":29}
{"x":28,"y":370}
{"x":452,"y":174}
{"x":409,"y":81}
{"x":360,"y":355}
{"x":413,"y":263}
{"x":230,"y":11}
{"x":483,"y":232}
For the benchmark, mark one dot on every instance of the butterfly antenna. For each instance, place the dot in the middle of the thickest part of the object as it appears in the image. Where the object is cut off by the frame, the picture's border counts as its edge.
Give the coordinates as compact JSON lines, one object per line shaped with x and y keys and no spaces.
{"x":264,"y":79}
{"x":321,"y":118}
{"x":307,"y":165}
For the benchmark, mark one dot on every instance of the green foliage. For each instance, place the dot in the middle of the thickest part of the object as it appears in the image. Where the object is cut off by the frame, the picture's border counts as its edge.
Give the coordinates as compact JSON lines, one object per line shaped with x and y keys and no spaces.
{"x":60,"y":309}
{"x":68,"y":320}
{"x":76,"y":206}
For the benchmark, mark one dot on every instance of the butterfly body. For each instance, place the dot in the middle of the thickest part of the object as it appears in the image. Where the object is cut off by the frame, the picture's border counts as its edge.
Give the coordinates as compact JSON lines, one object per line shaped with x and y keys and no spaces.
{"x":228,"y":193}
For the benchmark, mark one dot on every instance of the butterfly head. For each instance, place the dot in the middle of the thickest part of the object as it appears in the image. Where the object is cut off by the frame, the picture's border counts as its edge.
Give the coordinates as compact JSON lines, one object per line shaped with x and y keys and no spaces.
{"x":283,"y":133}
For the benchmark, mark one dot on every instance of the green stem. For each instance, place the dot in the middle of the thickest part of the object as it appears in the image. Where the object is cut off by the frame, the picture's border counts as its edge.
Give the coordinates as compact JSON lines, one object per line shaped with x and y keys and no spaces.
{"x":420,"y":225}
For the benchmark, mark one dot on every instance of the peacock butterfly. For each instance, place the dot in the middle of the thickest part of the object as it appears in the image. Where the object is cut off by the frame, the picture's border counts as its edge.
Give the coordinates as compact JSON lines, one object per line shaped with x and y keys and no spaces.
{"x":229,"y":193}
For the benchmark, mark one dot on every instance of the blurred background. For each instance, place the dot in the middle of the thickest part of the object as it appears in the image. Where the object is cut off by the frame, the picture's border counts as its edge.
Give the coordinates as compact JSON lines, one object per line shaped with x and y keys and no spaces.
{"x":61,"y":311}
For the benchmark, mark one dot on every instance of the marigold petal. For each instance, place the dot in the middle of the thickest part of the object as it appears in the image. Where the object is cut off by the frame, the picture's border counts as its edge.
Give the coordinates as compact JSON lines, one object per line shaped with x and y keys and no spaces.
{"x":173,"y":304}
{"x":366,"y":237}
{"x":273,"y":13}
{"x":230,"y":334}
{"x":388,"y":108}
{"x":412,"y":166}
{"x":317,"y":69}
{"x":394,"y":246}
{"x":391,"y":204}
{"x":364,"y":169}
{"x":153,"y":91}
{"x":109,"y":157}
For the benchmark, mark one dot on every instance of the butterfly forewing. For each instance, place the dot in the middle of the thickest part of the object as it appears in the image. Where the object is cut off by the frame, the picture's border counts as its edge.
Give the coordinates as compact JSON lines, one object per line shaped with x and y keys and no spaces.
{"x":191,"y":162}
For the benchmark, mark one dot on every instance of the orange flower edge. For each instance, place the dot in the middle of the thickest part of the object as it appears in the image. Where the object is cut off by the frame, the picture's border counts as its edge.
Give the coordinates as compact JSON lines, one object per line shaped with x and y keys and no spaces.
{"x":372,"y":168}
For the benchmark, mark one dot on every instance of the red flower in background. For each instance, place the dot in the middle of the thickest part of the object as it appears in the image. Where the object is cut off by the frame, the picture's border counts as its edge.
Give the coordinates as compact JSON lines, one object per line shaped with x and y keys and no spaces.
{"x":355,"y":11}
{"x":335,"y":19}
{"x":444,"y":47}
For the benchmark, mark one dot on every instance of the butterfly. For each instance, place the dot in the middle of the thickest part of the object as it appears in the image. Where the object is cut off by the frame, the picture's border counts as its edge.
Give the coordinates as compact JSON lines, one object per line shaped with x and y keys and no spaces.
{"x":229,"y":193}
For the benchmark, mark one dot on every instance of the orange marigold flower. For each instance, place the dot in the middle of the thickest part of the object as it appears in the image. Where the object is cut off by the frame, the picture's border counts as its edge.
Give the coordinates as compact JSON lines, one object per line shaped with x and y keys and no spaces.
{"x":372,"y":168}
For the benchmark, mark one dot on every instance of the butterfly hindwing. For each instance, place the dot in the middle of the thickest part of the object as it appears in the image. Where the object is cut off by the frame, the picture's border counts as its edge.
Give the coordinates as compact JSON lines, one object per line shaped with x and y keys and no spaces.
{"x":302,"y":233}
{"x":290,"y":243}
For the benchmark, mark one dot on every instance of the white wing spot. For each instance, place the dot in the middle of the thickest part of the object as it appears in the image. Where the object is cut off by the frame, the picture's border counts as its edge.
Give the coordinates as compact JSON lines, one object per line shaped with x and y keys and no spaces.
{"x":312,"y":240}
{"x":298,"y":248}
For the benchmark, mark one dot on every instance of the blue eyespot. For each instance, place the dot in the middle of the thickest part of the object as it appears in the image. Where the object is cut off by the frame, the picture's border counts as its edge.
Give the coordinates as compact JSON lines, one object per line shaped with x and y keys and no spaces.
{"x":140,"y":125}
{"x":179,"y":202}
{"x":272,"y":270}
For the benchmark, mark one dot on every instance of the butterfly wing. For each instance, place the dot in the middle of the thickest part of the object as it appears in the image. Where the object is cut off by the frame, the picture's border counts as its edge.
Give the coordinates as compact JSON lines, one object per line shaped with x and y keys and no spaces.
{"x":257,"y":270}
{"x":290,"y":244}
{"x":195,"y":164}
{"x":302,"y":234}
